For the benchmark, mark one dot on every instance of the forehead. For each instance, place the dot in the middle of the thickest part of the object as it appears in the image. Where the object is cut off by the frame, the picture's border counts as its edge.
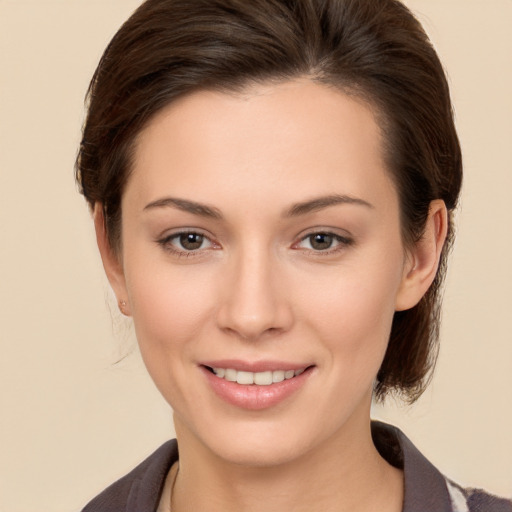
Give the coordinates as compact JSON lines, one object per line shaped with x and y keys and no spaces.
{"x":274,"y":142}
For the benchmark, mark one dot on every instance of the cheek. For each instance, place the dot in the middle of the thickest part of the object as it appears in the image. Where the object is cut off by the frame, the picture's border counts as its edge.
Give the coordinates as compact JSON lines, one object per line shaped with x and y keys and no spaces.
{"x":169,"y":304}
{"x":353,"y":310}
{"x":170,"y":311}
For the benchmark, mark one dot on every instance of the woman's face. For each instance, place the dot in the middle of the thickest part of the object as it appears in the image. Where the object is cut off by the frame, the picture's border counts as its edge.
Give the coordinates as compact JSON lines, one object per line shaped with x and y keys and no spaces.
{"x":261,"y":238}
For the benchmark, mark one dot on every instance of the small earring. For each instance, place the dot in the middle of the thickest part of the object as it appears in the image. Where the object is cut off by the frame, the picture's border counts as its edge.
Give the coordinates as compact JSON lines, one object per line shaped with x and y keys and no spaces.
{"x":122,"y":306}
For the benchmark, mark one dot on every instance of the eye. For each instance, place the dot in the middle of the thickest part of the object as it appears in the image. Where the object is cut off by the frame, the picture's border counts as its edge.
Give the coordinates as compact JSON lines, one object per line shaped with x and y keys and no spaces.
{"x":186,"y":242}
{"x":323,"y":242}
{"x":320,"y":241}
{"x":191,"y":241}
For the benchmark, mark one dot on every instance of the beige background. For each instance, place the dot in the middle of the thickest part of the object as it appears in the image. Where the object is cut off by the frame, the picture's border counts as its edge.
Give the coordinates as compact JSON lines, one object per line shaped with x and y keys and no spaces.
{"x":71,"y":421}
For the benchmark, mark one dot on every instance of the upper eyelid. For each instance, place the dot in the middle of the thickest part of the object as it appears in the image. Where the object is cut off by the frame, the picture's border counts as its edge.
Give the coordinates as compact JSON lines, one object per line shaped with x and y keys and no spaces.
{"x":339,"y":238}
{"x":343,"y":241}
{"x":168,"y":234}
{"x":167,"y":238}
{"x":336,"y":232}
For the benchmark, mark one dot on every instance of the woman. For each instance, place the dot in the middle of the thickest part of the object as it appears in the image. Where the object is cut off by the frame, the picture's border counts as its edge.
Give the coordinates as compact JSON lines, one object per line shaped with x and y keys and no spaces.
{"x":273,"y":185}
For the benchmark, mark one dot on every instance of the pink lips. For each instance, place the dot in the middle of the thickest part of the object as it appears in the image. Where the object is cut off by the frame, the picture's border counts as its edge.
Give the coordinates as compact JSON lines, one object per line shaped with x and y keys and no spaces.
{"x":254,"y":397}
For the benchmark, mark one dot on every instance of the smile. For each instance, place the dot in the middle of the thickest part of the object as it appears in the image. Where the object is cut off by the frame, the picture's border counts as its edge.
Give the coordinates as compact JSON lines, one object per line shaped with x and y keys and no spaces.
{"x":256,"y":378}
{"x":255,"y":390}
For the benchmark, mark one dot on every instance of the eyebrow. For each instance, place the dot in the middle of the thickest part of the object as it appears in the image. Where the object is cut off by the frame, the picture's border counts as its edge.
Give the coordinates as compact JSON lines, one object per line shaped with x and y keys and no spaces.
{"x":200,"y":209}
{"x":320,"y":203}
{"x":297,"y":209}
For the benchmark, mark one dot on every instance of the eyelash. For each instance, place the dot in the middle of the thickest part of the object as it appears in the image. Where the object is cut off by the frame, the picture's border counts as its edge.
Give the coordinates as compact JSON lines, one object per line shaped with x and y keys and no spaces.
{"x":166,"y":244}
{"x":342,"y":243}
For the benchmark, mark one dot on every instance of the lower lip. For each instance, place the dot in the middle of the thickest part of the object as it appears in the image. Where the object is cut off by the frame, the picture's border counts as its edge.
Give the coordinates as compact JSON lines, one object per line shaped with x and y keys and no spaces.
{"x":254,"y":397}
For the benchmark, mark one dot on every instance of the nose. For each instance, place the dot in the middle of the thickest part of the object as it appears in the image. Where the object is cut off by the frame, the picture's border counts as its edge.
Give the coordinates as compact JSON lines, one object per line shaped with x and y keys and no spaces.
{"x":254,"y":299}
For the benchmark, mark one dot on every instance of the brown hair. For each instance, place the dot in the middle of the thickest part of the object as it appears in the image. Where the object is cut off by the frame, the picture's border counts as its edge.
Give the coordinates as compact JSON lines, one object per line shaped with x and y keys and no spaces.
{"x":374,"y":49}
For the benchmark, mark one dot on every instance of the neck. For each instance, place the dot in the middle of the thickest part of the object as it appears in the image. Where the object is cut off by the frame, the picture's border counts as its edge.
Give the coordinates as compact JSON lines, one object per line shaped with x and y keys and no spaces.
{"x":345,"y":473}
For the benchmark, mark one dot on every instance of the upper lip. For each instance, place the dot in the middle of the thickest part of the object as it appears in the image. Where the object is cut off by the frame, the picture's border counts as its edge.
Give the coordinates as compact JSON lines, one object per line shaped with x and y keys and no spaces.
{"x":255,"y":366}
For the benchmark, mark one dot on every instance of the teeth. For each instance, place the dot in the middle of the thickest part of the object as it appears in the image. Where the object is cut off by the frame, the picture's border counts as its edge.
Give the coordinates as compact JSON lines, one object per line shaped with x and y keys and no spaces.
{"x":288,"y":374}
{"x":245,"y":377}
{"x":259,"y":378}
{"x":263,"y":378}
{"x":278,"y":376}
{"x":230,"y":375}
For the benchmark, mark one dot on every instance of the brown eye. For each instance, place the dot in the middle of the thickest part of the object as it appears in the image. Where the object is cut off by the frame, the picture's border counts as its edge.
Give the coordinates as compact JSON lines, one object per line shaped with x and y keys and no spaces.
{"x":187,"y":243}
{"x":321,"y":241}
{"x":324,"y":242}
{"x":191,"y":241}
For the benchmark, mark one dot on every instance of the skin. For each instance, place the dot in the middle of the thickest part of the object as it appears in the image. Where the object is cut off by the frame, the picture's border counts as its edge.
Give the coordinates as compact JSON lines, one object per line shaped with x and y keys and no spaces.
{"x":259,"y":289}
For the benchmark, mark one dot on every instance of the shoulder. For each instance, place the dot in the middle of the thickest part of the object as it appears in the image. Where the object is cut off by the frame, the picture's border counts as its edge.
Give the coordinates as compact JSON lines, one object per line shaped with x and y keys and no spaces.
{"x":426,"y":489}
{"x":476,"y":500}
{"x":141,"y":488}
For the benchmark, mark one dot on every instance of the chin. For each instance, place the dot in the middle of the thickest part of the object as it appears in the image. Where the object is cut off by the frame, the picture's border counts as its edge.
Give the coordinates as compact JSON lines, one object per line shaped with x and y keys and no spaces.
{"x":261,"y":451}
{"x":249,"y":442}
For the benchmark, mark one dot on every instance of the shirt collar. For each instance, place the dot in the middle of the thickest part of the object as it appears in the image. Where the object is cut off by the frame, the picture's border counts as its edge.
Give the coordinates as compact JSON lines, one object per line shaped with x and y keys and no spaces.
{"x":425,"y":486}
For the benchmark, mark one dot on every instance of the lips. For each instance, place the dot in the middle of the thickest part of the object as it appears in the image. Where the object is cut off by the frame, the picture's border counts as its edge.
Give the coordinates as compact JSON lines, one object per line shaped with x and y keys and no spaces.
{"x":255,"y":386}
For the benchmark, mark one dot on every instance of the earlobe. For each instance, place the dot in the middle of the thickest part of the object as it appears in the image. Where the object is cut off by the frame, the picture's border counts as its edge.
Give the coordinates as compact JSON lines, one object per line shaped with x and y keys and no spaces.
{"x":111,"y":261}
{"x":423,"y":259}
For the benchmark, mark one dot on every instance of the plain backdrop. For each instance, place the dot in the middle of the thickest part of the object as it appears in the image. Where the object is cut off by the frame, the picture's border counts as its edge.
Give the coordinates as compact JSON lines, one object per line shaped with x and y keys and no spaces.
{"x":71,"y":419}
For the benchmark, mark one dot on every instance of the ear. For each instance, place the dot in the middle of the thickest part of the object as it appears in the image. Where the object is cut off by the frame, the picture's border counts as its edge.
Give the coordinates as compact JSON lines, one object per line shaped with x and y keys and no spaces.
{"x":423,"y":258}
{"x":111,"y":260}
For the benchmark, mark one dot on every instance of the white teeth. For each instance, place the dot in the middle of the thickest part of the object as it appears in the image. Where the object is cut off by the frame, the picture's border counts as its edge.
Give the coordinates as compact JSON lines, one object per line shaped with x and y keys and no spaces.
{"x":259,"y":378}
{"x":278,"y":376}
{"x":230,"y":375}
{"x":263,"y":378}
{"x":220,"y":372}
{"x":245,"y":377}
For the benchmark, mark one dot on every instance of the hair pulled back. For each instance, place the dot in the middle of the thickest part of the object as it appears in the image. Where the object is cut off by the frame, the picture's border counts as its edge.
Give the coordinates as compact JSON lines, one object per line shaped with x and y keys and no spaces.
{"x":373,"y":49}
